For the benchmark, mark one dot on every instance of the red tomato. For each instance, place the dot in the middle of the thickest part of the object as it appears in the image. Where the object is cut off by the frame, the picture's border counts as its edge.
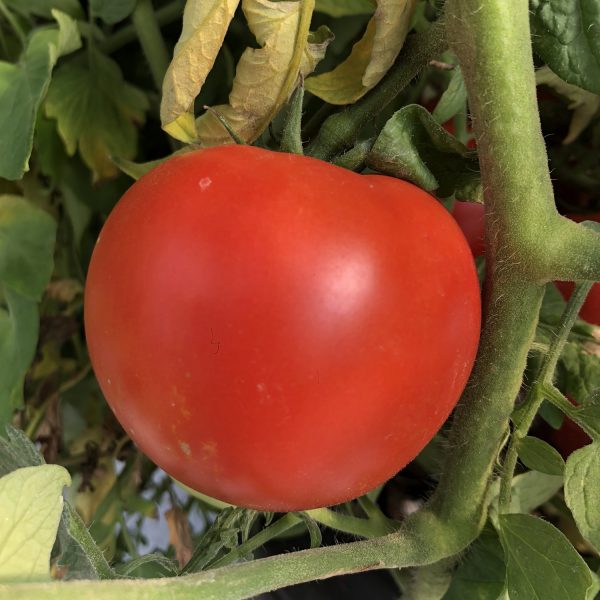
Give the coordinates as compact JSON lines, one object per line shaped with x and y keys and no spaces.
{"x":471,"y":219}
{"x":590,"y":311}
{"x":277,"y":332}
{"x":568,"y":438}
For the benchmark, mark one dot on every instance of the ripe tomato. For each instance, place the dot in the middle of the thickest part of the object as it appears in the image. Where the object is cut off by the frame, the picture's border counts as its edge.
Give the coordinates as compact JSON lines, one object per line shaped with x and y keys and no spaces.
{"x":590,"y":311}
{"x":471,"y":219}
{"x":277,"y":332}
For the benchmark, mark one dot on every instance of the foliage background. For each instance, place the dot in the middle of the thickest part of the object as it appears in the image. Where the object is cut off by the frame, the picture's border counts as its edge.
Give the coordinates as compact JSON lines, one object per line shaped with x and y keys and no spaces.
{"x":80,"y":101}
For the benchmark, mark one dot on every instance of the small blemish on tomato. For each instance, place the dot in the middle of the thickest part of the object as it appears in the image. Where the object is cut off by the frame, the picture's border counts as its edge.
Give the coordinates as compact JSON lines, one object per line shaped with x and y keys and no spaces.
{"x":209,"y":449}
{"x":204,"y":183}
{"x":108,"y":381}
{"x":185,"y":448}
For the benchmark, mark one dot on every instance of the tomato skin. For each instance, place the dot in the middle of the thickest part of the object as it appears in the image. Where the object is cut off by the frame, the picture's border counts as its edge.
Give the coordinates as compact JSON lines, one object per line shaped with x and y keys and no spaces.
{"x":277,"y":332}
{"x":471,"y":219}
{"x":590,"y":311}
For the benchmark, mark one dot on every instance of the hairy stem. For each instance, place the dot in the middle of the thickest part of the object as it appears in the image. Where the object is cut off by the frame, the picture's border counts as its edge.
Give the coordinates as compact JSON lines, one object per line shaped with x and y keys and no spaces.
{"x":492,"y":42}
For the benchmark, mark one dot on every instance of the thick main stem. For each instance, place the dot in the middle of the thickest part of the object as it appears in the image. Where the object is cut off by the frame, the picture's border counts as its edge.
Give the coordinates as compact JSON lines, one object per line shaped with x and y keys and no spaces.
{"x":492,"y":41}
{"x":481,"y":420}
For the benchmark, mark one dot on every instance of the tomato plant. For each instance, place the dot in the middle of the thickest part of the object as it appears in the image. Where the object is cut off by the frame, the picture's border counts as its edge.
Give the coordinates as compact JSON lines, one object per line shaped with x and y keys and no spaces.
{"x":266,"y":336}
{"x":279,"y":309}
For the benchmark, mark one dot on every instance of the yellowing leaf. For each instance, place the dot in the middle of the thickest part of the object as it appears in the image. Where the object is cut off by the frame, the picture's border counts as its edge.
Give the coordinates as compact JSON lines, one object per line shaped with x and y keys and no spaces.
{"x":266,"y":77}
{"x":205,"y":23}
{"x":30,"y":507}
{"x":584,"y":104}
{"x":97,"y":112}
{"x":371,"y":56}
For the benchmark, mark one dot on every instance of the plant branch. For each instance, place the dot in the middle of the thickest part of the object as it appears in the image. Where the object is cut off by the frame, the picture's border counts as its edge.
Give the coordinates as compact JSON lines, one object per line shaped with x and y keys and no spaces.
{"x":148,"y":32}
{"x":367,"y":528}
{"x":14,"y":24}
{"x":340,"y":131}
{"x":414,"y":545}
{"x":536,"y":393}
{"x":126,"y":35}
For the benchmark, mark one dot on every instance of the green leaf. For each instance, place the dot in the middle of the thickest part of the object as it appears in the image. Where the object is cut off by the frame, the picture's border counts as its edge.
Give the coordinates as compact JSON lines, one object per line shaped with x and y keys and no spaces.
{"x":529,"y":490}
{"x":27,"y":237}
{"x":345,"y":8}
{"x":112,"y":11}
{"x":540,"y":561}
{"x":553,"y":305}
{"x":540,"y":456}
{"x":453,"y":100}
{"x":565,"y":35}
{"x":23,"y":87}
{"x":578,"y":372}
{"x":19,"y":323}
{"x":136,"y":170}
{"x":49,"y":148}
{"x":481,"y":573}
{"x":413,"y":146}
{"x":588,"y":415}
{"x":79,"y":554}
{"x":370,"y":58}
{"x":314,"y":531}
{"x":149,"y":566}
{"x":43,"y":8}
{"x":582,"y":491}
{"x":97,"y":112}
{"x":79,"y":213}
{"x":584,"y":104}
{"x":30,"y":507}
{"x":17,"y":451}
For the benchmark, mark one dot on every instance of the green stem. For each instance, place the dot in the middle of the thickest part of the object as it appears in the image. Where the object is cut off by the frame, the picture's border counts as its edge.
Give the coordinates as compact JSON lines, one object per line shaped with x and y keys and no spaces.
{"x":482,"y":418}
{"x":557,"y":398}
{"x":126,"y":35}
{"x":366,"y":528}
{"x":354,"y":159}
{"x":340,"y":131}
{"x":492,"y":42}
{"x":14,"y":23}
{"x":40,"y":411}
{"x":230,"y":130}
{"x":291,"y":138}
{"x":151,"y":40}
{"x":536,"y":395}
{"x":411,"y":547}
{"x":260,"y":539}
{"x":131,"y":549}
